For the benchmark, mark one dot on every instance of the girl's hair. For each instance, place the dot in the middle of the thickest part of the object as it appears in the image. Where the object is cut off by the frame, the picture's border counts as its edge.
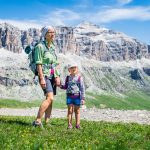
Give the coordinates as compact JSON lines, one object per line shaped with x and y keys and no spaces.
{"x":76,"y":68}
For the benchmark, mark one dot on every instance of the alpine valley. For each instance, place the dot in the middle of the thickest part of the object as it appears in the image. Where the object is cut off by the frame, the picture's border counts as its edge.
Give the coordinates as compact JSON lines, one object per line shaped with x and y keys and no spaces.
{"x":111,"y":62}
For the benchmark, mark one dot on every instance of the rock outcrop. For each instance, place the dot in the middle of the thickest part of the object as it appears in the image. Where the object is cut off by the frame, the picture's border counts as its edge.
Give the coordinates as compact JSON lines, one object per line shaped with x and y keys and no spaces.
{"x":86,"y":40}
{"x":105,"y":45}
{"x":10,"y":38}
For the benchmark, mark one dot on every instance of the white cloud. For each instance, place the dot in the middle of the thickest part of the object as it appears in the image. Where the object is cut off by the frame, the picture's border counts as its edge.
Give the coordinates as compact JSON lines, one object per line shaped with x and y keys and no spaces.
{"x":69,"y":17}
{"x":123,"y":2}
{"x":84,"y":4}
{"x":60,"y":17}
{"x":22,"y":24}
{"x":55,"y":18}
{"x":105,"y":15}
{"x":109,"y":15}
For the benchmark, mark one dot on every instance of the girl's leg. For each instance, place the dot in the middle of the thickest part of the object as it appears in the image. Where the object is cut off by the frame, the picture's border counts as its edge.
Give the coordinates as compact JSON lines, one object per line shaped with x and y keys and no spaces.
{"x":70,"y":112}
{"x":77,"y":114}
{"x":45,"y":104}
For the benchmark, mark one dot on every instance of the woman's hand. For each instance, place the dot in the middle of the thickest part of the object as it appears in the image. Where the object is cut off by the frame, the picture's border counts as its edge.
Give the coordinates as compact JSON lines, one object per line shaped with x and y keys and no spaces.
{"x":57,"y":81}
{"x":41,"y":77}
{"x":43,"y":83}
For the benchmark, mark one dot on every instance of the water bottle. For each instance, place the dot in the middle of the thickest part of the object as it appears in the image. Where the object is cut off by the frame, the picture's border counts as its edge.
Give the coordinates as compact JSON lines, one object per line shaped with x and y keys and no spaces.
{"x":36,"y":80}
{"x":83,"y":108}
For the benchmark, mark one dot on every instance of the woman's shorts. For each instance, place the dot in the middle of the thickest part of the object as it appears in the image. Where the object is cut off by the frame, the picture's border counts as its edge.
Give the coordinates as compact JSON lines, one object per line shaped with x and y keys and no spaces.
{"x":74,"y":101}
{"x":50,"y":86}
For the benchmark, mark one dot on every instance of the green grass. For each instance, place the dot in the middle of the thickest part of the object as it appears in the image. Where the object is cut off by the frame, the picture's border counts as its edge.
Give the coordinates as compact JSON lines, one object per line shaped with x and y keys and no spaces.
{"x":131,"y":101}
{"x":9,"y":103}
{"x":60,"y":101}
{"x":17,"y":133}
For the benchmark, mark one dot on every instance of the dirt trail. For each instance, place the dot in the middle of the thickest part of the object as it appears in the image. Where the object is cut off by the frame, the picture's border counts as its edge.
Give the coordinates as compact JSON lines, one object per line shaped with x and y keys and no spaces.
{"x":126,"y":116}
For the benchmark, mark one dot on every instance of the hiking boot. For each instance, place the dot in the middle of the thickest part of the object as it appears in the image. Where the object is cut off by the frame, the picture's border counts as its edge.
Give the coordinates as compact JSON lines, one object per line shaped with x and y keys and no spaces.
{"x":48,"y":125}
{"x":37,"y":124}
{"x":70,"y":126}
{"x":77,"y":126}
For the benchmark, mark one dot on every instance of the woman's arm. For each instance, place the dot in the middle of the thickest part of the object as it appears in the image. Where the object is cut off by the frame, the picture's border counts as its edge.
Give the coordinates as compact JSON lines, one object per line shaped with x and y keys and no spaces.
{"x":41,"y":76}
{"x":39,"y":61}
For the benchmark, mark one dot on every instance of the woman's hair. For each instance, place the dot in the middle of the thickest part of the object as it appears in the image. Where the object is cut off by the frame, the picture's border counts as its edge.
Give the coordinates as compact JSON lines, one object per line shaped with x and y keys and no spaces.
{"x":45,"y":29}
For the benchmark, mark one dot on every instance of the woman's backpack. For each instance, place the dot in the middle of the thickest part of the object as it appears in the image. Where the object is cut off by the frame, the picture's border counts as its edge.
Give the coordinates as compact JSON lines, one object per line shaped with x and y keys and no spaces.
{"x":30,"y":50}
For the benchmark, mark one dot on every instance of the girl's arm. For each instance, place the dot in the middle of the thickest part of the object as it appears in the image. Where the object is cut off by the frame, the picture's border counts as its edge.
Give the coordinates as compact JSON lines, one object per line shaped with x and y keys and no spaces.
{"x":82,"y":89}
{"x":66,"y":84}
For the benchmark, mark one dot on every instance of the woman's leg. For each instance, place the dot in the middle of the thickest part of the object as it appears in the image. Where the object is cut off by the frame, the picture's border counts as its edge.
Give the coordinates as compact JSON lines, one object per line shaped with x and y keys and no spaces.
{"x":77,"y":114}
{"x":48,"y":113}
{"x":45,"y":104}
{"x":70,"y":112}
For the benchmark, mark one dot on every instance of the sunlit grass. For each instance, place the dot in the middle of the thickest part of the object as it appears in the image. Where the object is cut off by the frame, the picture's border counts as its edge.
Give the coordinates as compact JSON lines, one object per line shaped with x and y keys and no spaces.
{"x":130,"y":101}
{"x":10,"y":103}
{"x":17,"y":133}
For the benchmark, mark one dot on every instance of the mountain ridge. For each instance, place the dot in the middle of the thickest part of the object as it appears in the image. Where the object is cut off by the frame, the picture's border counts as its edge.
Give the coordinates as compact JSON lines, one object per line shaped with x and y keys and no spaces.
{"x":109,"y":62}
{"x":112,"y":78}
{"x":86,"y":39}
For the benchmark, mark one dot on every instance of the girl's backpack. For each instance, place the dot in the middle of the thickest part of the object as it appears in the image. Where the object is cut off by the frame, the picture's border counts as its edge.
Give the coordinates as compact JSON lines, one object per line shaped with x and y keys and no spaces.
{"x":74,"y":87}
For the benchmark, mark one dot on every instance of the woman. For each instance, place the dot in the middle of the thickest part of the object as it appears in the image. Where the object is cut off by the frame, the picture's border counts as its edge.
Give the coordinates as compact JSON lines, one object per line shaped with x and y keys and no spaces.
{"x":46,"y":61}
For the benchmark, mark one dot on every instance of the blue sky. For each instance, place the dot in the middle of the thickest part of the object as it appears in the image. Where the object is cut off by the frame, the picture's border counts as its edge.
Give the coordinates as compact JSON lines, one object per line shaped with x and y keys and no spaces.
{"x":129,"y":16}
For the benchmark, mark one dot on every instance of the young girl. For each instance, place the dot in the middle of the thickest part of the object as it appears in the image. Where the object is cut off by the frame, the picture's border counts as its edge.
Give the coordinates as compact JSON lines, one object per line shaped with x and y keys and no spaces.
{"x":75,"y":94}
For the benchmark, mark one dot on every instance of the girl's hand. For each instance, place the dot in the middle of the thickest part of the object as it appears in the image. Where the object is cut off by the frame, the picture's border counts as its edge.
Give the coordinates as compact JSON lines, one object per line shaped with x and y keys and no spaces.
{"x":82,"y":102}
{"x":43,"y":83}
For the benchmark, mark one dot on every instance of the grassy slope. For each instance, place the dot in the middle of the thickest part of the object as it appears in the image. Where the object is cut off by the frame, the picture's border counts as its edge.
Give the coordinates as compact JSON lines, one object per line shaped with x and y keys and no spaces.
{"x":8,"y":103}
{"x":92,"y":135}
{"x":131,"y":101}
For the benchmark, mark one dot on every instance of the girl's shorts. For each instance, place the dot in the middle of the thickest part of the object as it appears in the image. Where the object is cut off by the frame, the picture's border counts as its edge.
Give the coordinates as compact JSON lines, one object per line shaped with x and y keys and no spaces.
{"x":74,"y":101}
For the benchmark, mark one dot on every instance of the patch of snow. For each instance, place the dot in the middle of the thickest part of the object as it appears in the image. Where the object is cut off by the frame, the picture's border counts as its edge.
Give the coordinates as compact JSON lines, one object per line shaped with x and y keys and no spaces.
{"x":9,"y":58}
{"x":139,"y":63}
{"x":22,"y":25}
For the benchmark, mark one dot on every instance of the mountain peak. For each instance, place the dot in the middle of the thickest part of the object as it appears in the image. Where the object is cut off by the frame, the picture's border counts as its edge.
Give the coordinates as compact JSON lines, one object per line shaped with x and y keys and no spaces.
{"x":7,"y":25}
{"x":89,"y":26}
{"x":86,"y":25}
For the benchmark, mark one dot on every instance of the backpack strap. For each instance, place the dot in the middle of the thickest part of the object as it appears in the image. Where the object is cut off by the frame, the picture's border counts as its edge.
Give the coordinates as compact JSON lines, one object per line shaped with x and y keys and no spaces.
{"x":67,"y":79}
{"x":79,"y":79}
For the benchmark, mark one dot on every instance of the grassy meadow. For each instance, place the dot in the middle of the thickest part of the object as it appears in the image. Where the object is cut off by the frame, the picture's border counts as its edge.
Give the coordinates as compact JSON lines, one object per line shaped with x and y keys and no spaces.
{"x":17,"y":133}
{"x":130,"y":101}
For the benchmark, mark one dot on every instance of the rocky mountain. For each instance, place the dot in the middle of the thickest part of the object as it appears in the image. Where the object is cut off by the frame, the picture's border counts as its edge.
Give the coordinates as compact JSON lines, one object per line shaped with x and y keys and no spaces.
{"x":10,"y":38}
{"x":111,"y":78}
{"x":105,"y":45}
{"x":85,"y":39}
{"x":110,"y":62}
